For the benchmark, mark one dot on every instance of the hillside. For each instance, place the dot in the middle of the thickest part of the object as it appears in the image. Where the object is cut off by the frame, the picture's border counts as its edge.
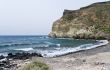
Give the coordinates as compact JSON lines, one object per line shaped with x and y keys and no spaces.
{"x":91,"y":22}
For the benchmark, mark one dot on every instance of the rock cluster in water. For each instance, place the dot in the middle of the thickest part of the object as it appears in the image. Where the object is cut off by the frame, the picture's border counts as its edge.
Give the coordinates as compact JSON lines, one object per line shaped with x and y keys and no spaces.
{"x":91,"y":22}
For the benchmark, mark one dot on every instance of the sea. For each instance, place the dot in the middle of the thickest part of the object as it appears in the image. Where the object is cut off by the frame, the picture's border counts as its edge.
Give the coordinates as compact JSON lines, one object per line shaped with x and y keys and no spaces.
{"x":47,"y":47}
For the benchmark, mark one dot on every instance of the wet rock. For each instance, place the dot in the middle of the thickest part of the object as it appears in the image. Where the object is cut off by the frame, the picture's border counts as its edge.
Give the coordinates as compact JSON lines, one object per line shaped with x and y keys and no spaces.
{"x":23,"y":55}
{"x":10,"y":55}
{"x":37,"y":54}
{"x":2,"y":57}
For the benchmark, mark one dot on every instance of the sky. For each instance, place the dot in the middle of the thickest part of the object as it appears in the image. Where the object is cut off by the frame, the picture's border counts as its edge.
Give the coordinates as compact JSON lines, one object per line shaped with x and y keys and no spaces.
{"x":34,"y":17}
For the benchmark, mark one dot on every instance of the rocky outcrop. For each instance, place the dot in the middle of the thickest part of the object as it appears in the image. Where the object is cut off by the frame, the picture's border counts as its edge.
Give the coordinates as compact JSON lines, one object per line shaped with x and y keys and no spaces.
{"x":23,"y":55}
{"x":91,"y":22}
{"x":11,"y":62}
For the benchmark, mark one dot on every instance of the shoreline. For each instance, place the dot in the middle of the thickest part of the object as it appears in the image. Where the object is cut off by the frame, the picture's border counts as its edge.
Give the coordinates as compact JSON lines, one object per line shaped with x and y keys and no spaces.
{"x":93,"y":59}
{"x":77,"y":49}
{"x":69,"y":61}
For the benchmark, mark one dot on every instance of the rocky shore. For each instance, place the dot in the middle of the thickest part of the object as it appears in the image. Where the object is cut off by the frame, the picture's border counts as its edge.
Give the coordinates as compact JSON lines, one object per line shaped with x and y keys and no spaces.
{"x":14,"y":61}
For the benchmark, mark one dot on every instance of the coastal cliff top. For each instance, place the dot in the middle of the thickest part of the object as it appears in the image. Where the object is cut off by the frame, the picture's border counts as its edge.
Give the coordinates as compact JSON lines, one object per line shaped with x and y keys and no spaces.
{"x":92,"y":5}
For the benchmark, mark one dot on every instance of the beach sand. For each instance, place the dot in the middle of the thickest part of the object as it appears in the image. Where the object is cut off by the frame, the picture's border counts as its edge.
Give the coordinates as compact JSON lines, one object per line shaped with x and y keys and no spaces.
{"x":94,"y":59}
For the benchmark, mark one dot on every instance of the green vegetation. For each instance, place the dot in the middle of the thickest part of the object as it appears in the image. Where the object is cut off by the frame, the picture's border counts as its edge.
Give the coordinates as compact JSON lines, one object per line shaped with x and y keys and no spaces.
{"x":106,"y":30}
{"x":68,"y":17}
{"x":35,"y":65}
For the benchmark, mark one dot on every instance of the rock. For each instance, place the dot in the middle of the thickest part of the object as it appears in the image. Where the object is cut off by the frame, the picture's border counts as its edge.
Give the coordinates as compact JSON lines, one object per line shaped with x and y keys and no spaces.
{"x":99,"y":63}
{"x":91,"y":22}
{"x":1,"y":69}
{"x":10,"y":65}
{"x":10,"y":55}
{"x":9,"y":62}
{"x":2,"y":64}
{"x":2,"y":57}
{"x":37,"y":54}
{"x":23,"y":55}
{"x":5,"y":59}
{"x":84,"y":60}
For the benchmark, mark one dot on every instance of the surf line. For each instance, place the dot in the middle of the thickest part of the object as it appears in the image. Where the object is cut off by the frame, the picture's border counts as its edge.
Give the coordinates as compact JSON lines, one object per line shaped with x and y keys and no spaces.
{"x":76,"y":49}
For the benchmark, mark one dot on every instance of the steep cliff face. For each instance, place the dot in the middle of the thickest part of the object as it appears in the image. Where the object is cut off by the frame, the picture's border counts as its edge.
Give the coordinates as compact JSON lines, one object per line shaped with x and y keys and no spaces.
{"x":91,"y":22}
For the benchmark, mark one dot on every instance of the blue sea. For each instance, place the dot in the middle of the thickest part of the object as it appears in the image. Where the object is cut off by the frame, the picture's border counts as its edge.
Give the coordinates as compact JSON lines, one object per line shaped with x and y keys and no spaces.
{"x":44,"y":45}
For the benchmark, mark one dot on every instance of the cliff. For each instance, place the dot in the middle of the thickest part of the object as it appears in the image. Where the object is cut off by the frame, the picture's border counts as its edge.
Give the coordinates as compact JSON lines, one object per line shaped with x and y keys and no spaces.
{"x":91,"y":22}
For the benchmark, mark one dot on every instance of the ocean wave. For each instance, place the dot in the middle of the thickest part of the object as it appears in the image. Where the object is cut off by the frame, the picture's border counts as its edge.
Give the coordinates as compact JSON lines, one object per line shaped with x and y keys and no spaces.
{"x":4,"y":54}
{"x":25,"y":49}
{"x":50,"y":43}
{"x":41,"y":46}
{"x":15,"y":44}
{"x":70,"y":50}
{"x":48,"y":49}
{"x":99,"y":43}
{"x":46,"y":45}
{"x":58,"y":45}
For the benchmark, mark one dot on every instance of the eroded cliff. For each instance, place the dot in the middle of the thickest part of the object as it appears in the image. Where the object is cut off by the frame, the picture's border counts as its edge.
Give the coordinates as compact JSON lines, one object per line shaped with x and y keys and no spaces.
{"x":91,"y":22}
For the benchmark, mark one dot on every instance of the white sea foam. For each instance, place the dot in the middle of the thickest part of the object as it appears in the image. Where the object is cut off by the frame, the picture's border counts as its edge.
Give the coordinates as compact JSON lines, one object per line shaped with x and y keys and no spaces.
{"x":43,"y":45}
{"x":65,"y":50}
{"x":25,"y":49}
{"x":48,"y":43}
{"x":100,"y":43}
{"x":4,"y":54}
{"x":70,"y":50}
{"x":58,"y":45}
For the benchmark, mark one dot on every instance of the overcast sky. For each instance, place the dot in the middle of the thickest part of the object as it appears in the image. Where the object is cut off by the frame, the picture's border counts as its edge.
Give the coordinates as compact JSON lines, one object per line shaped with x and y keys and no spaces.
{"x":34,"y":17}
